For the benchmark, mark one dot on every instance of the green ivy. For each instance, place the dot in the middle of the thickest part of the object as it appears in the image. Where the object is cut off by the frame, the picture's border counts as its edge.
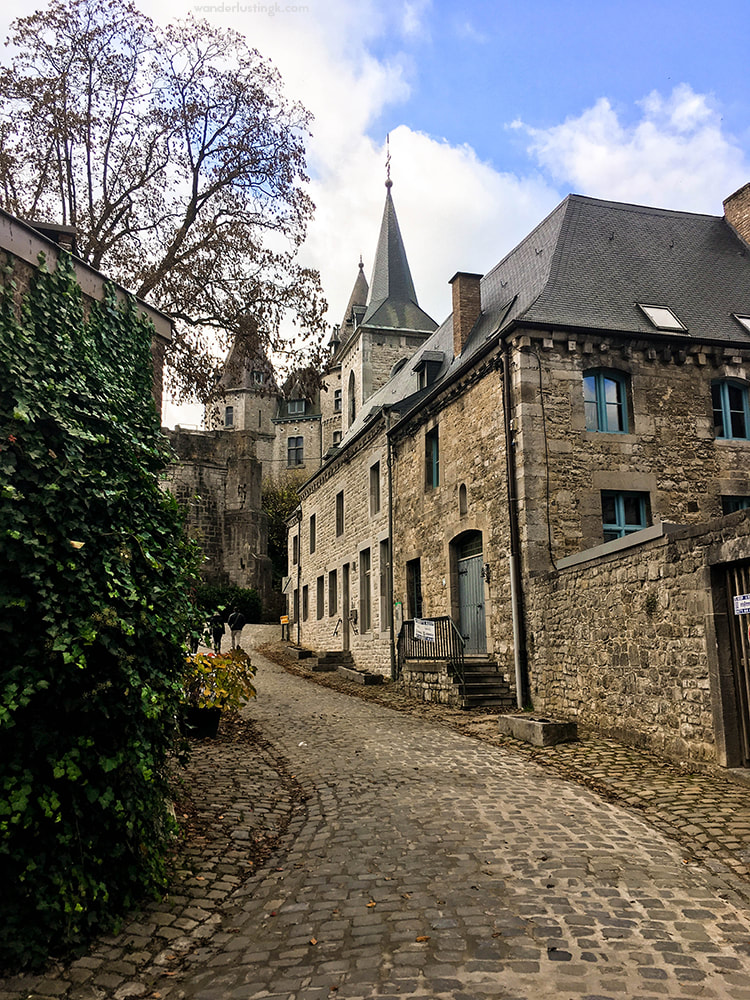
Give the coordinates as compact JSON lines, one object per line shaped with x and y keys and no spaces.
{"x":94,"y":608}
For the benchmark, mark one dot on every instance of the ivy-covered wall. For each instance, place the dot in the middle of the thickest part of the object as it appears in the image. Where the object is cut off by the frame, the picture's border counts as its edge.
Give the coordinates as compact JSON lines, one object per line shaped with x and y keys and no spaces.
{"x":94,"y":608}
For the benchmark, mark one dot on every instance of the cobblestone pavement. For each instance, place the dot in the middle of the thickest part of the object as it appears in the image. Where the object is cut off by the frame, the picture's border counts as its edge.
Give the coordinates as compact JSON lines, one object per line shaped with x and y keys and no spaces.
{"x":342,"y":849}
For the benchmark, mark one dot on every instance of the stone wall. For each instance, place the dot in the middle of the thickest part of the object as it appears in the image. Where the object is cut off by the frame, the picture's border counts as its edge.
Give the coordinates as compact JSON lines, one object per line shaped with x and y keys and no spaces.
{"x":737,"y":212}
{"x":323,"y":628}
{"x":218,"y":479}
{"x":669,"y":451}
{"x":626,"y":642}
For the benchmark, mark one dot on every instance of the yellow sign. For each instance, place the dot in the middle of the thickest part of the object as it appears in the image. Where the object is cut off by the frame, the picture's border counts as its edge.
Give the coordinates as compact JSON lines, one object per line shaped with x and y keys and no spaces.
{"x":285,"y":619}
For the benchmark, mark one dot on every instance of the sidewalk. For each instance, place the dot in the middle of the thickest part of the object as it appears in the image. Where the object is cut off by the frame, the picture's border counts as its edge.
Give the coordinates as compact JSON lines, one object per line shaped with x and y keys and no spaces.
{"x":241,"y":810}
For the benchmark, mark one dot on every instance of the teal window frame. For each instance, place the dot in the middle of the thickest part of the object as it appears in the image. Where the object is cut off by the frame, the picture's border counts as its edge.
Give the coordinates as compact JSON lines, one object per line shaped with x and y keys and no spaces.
{"x":730,"y":401}
{"x":731,"y":504}
{"x":605,"y":401}
{"x":432,"y":459}
{"x":629,"y":510}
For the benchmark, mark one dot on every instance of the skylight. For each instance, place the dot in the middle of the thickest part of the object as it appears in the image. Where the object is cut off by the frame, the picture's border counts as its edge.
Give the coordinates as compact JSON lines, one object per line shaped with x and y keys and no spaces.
{"x":662,"y":317}
{"x":743,"y":321}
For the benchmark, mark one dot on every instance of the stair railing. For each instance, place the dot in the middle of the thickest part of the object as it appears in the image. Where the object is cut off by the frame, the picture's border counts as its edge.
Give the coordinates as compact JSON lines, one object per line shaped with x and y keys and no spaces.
{"x":447,"y":646}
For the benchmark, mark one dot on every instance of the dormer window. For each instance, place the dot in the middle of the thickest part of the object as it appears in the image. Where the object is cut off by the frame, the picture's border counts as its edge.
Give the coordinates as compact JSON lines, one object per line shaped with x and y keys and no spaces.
{"x":229,"y":416}
{"x":296,"y":407}
{"x":258,"y":377}
{"x":427,"y":367}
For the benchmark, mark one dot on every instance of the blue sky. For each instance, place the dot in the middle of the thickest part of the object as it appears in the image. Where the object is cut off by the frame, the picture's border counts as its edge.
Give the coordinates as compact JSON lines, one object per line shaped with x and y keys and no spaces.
{"x":474,"y":67}
{"x":496,"y":111}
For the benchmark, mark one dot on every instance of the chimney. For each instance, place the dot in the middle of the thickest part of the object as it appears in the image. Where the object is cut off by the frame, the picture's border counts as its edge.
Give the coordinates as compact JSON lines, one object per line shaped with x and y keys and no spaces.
{"x":467,"y":307}
{"x":737,"y":212}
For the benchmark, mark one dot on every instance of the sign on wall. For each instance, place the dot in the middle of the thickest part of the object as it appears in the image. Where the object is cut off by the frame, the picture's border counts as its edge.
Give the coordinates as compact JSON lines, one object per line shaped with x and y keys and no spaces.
{"x":742,"y":604}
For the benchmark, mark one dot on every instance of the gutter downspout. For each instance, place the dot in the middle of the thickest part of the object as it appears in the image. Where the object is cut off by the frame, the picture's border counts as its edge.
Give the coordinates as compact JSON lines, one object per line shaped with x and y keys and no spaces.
{"x":389,"y":466}
{"x":516,"y":586}
{"x":299,"y":573}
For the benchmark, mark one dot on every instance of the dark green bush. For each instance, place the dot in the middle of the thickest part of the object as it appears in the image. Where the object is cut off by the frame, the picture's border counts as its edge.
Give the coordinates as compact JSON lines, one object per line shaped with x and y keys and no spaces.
{"x":211,"y":598}
{"x":93,"y":611}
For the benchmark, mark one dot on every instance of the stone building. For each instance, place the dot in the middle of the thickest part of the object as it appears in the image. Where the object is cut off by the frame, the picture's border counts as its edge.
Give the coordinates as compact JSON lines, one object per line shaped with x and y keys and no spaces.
{"x":519,"y":480}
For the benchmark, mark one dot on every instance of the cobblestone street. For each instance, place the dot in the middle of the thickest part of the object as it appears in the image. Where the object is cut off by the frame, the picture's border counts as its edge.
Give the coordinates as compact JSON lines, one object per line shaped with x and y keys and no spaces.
{"x":339,"y":848}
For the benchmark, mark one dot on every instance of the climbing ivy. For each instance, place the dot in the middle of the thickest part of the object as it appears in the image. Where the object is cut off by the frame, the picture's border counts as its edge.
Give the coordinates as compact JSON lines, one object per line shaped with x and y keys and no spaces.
{"x":94,"y":608}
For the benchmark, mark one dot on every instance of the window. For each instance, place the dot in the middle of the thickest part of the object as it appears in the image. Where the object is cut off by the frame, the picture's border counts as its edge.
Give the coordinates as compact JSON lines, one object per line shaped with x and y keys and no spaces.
{"x":258,"y":377}
{"x":623,"y":513}
{"x":295,"y":612}
{"x":730,"y":406}
{"x":463,"y":501}
{"x":295,"y":549}
{"x":305,"y":603}
{"x":294,"y":451}
{"x":374,"y":489}
{"x":431,"y":459}
{"x":320,"y":597}
{"x":414,"y":588}
{"x":730,"y":504}
{"x":337,"y":393}
{"x":385,"y":589}
{"x":312,"y":533}
{"x":365,"y":591}
{"x":340,"y":513}
{"x":295,"y":406}
{"x":333,"y":593}
{"x":337,"y":438}
{"x":662,"y":317}
{"x":605,"y":402}
{"x":229,"y":416}
{"x":352,"y":394}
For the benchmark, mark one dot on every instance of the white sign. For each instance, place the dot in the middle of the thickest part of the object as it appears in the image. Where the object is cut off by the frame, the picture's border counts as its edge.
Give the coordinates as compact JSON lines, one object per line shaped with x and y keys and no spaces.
{"x":424,"y":630}
{"x":741,"y":604}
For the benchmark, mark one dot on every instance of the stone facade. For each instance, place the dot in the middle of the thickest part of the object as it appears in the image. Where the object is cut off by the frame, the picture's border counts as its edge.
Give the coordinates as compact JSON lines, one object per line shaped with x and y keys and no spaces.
{"x":596,"y":391}
{"x":217,"y":478}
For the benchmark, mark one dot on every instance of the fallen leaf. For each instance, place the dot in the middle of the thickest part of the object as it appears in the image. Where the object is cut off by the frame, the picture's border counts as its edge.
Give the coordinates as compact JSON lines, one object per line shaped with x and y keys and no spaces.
{"x":422,"y":937}
{"x":371,"y":904}
{"x":406,"y":895}
{"x":313,"y":940}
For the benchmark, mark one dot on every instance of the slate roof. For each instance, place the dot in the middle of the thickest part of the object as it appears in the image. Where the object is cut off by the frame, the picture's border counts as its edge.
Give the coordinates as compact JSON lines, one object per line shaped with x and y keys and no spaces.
{"x":586,"y":267}
{"x":392,"y":302}
{"x":239,"y":366}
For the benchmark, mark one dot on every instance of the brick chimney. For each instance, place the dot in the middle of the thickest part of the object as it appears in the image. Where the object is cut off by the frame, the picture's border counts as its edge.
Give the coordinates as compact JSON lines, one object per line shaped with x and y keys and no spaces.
{"x":467,"y":307}
{"x":737,"y":212}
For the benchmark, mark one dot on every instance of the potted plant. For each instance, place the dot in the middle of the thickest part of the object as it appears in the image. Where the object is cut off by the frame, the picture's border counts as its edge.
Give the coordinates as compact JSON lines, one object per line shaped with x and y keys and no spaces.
{"x":213,"y":682}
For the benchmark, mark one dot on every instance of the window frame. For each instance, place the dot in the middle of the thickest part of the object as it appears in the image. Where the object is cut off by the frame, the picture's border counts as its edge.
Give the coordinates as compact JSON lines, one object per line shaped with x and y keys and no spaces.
{"x":338,"y":400}
{"x":295,"y":407}
{"x":339,"y":513}
{"x":621,"y":380}
{"x":432,"y":459}
{"x":621,"y":527}
{"x":320,"y":597}
{"x":229,"y":416}
{"x":312,"y":530}
{"x":365,"y":590}
{"x":374,"y":489}
{"x":333,"y":593}
{"x":724,"y":386}
{"x":298,"y":449}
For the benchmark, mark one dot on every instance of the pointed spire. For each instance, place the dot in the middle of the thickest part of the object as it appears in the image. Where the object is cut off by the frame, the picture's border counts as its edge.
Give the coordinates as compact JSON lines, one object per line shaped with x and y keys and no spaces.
{"x":393,"y":300}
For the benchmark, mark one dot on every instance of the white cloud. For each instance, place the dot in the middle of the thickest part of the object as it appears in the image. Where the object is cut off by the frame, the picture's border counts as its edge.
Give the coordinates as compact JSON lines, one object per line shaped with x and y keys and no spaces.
{"x":674,"y":156}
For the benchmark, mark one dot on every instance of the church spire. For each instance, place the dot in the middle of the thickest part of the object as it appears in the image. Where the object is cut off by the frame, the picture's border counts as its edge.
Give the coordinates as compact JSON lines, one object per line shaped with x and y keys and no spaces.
{"x":392,"y":301}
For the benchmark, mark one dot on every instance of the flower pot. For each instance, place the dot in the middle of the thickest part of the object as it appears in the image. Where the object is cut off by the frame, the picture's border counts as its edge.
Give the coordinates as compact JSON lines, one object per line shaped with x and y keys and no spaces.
{"x":200,"y":723}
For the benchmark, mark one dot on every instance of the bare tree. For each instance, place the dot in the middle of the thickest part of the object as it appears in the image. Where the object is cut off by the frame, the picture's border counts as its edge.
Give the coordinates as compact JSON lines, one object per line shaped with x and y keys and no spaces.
{"x":178,"y":160}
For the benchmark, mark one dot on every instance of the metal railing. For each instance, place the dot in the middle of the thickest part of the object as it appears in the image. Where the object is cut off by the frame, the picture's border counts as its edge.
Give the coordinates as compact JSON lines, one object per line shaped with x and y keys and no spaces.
{"x":447,"y":646}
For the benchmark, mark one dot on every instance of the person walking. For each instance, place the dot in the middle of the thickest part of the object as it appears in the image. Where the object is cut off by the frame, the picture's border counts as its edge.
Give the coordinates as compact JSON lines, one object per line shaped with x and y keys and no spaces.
{"x":216,"y":626}
{"x":236,"y":623}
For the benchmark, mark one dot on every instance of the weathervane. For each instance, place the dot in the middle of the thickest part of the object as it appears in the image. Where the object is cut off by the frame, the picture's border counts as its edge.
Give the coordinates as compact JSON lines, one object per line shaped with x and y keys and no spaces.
{"x":388,"y":182}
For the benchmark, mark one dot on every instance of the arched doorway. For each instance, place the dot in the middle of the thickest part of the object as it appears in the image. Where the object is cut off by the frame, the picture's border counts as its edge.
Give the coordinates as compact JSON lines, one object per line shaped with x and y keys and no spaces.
{"x":469,"y":591}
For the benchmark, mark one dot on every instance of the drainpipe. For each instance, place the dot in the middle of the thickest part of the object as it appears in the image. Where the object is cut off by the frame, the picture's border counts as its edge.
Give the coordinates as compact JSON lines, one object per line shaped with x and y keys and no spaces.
{"x":299,"y":573}
{"x":389,"y":466}
{"x":516,"y":586}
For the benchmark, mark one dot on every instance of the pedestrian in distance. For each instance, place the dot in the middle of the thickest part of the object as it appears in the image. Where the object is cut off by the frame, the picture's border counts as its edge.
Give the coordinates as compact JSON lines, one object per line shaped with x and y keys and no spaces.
{"x":236,"y":624}
{"x":216,"y":626}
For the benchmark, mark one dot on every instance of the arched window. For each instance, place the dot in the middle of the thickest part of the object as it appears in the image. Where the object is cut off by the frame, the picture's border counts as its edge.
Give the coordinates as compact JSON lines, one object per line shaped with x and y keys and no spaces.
{"x":352,"y":394}
{"x":463,"y":503}
{"x":729,"y":398}
{"x":605,"y":401}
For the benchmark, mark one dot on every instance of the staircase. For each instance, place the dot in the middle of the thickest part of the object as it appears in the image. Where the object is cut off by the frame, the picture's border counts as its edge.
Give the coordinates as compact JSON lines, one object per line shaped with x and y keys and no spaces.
{"x":484,"y":685}
{"x":332,"y":661}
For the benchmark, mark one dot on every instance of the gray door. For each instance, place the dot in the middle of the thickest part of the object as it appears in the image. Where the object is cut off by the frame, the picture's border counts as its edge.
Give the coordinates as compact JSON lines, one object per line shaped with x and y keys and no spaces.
{"x":738,"y":583}
{"x":471,"y":596}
